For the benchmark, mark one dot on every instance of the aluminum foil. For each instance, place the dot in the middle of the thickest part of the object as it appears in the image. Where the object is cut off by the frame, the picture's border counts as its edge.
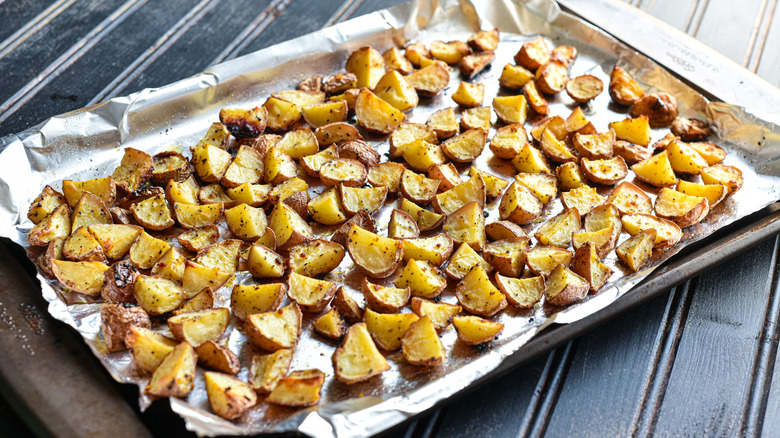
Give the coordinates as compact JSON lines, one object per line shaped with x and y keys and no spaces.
{"x":88,"y":143}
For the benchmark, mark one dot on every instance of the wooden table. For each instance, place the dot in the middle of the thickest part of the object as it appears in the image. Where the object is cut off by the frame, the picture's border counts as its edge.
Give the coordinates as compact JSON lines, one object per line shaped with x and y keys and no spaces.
{"x":698,"y":360}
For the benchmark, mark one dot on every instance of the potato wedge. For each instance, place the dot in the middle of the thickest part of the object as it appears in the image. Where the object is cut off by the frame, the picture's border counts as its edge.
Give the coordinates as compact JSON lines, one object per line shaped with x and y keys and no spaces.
{"x":335,"y":133}
{"x":356,"y":199}
{"x":340,"y":82}
{"x":198,"y":277}
{"x":57,"y":225}
{"x":465,"y":147}
{"x":636,"y":130}
{"x":728,"y":176}
{"x":444,"y":123}
{"x":82,"y":246}
{"x":623,"y":89}
{"x":264,"y":263}
{"x":278,"y":166}
{"x":473,"y":330}
{"x":684,"y":159}
{"x":386,"y":329}
{"x":385,"y":299}
{"x":558,"y":230}
{"x":282,"y":113}
{"x":555,"y":149}
{"x":656,"y":170}
{"x":556,"y":125}
{"x":104,"y":188}
{"x":387,"y":174}
{"x":89,"y":210}
{"x":603,"y":240}
{"x":477,"y":117}
{"x":426,"y":219}
{"x":345,"y":171}
{"x":472,"y":65}
{"x":170,"y":265}
{"x":247,"y":223}
{"x":298,"y":389}
{"x":394,"y":89}
{"x":636,"y":251}
{"x":360,"y":151}
{"x":450,"y":52}
{"x":418,"y":188}
{"x":421,"y":155}
{"x":684,"y":210}
{"x":367,"y":65}
{"x":434,"y":249}
{"x":519,"y":205}
{"x":422,"y":278}
{"x":511,"y":109}
{"x":175,"y":376}
{"x":541,"y":260}
{"x":564,"y":287}
{"x":268,"y":369}
{"x":115,"y":322}
{"x":711,"y":152}
{"x":274,"y":330}
{"x":536,"y":101}
{"x":331,"y":325}
{"x":185,"y":192}
{"x":222,"y":255}
{"x":660,"y":109}
{"x":430,"y":80}
{"x":196,"y":328}
{"x":134,"y":170}
{"x":153,"y":213}
{"x":514,"y":77}
{"x":595,"y":146}
{"x":326,"y":208}
{"x":551,"y":78}
{"x":632,"y":153}
{"x":288,"y":226}
{"x":408,"y":133}
{"x":310,"y":294}
{"x":463,"y":259}
{"x":196,"y":238}
{"x":447,"y":175}
{"x":45,"y":203}
{"x":484,"y":41}
{"x":242,"y":123}
{"x":533,"y":54}
{"x":158,"y":295}
{"x":667,"y":232}
{"x":531,"y":160}
{"x":713,"y":192}
{"x":507,"y":256}
{"x":201,"y":301}
{"x":228,"y":396}
{"x":451,"y":200}
{"x":522,"y":293}
{"x":587,"y":264}
{"x":440,"y":313}
{"x":210,"y":162}
{"x":402,"y":226}
{"x":246,"y":299}
{"x":503,"y":230}
{"x":543,"y":186}
{"x":630,"y":199}
{"x":605,"y":171}
{"x":583,"y":89}
{"x":421,"y":344}
{"x":169,"y":166}
{"x":191,"y":216}
{"x":467,"y":225}
{"x":374,"y":255}
{"x":395,"y":60}
{"x":148,"y":347}
{"x":494,"y":186}
{"x":357,"y":359}
{"x":477,"y":295}
{"x":119,"y":283}
{"x":322,"y":114}
{"x":469,"y":95}
{"x":315,"y":257}
{"x":116,"y":240}
{"x":311,"y":164}
{"x":690,"y":129}
{"x":375,"y":115}
{"x":213,"y":194}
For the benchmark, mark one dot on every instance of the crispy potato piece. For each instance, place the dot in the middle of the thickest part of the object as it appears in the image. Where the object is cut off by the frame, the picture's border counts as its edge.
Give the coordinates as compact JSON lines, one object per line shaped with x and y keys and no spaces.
{"x":422,"y":278}
{"x":367,"y":65}
{"x":636,"y":130}
{"x":198,"y":277}
{"x":713,"y":192}
{"x":288,"y":226}
{"x":340,"y":82}
{"x":685,"y":159}
{"x":418,"y":188}
{"x":264,"y":263}
{"x":690,"y":129}
{"x":522,"y":293}
{"x":243,"y":123}
{"x":134,"y":170}
{"x":656,"y":170}
{"x":711,"y":152}
{"x":595,"y":146}
{"x":315,"y":257}
{"x":667,"y":232}
{"x":386,"y":329}
{"x":555,"y":149}
{"x":395,"y":60}
{"x":421,"y":344}
{"x":349,"y":96}
{"x":274,"y":330}
{"x":533,"y":54}
{"x":191,"y":216}
{"x":158,"y":295}
{"x":331,"y":325}
{"x":623,"y":89}
{"x":585,"y":88}
{"x":587,"y":264}
{"x":511,"y":109}
{"x":604,"y":171}
{"x":374,"y":255}
{"x":465,"y":147}
{"x":447,"y":174}
{"x":362,"y":219}
{"x":387,"y":174}
{"x":196,"y":238}
{"x":357,"y":359}
{"x":170,"y":265}
{"x":119,"y":283}
{"x":664,"y":142}
{"x":469,"y":95}
{"x":430,"y":80}
{"x":531,"y":160}
{"x":196,"y":328}
{"x":360,"y":151}
{"x":297,"y":144}
{"x":473,"y":330}
{"x":385,"y":299}
{"x":552,"y":77}
{"x":477,"y":117}
{"x":90,"y":210}
{"x":104,"y":188}
{"x":434,"y":249}
{"x":541,"y":260}
{"x":247,"y":299}
{"x":426,"y":219}
{"x":81,"y":246}
{"x":660,"y":109}
{"x":210,"y":162}
{"x":185,"y":192}
{"x":375,"y":115}
{"x":347,"y":306}
{"x":215,"y":193}
{"x":440,"y":313}
{"x":222,"y":255}
{"x":603,"y":240}
{"x":268,"y":369}
{"x":218,"y":134}
{"x":577,"y":122}
{"x":201,"y":301}
{"x":351,"y":173}
{"x":556,"y":125}
{"x":153,"y":213}
{"x":467,"y":225}
{"x":564,"y":54}
{"x":421,"y":155}
{"x":514,"y":77}
{"x":564,"y":287}
{"x":310,"y":294}
{"x":335,"y":133}
{"x":356,"y":199}
{"x":558,"y":230}
{"x":729,"y":176}
{"x":282,"y":113}
{"x":115,"y":322}
{"x":148,"y":347}
{"x":322,"y":114}
{"x":313,"y":83}
{"x":636,"y":251}
{"x":394,"y":89}
{"x":247,"y":223}
{"x":451,"y":200}
{"x":462,"y":261}
{"x":472,"y":65}
{"x":278,"y":166}
{"x":519,"y":204}
{"x":450,"y":52}
{"x":484,"y":41}
{"x":632,"y":153}
{"x":444,"y":123}
{"x":543,"y":186}
{"x":507,"y":256}
{"x":503,"y":230}
{"x":115,"y":239}
{"x":228,"y":396}
{"x":402,"y":226}
{"x":682,"y":209}
{"x":301,"y":98}
{"x":408,"y":133}
{"x":175,"y":376}
{"x":494,"y":186}
{"x":298,"y":389}
{"x":326,"y":208}
{"x":477,"y":295}
{"x":44,"y":204}
{"x":630,"y":199}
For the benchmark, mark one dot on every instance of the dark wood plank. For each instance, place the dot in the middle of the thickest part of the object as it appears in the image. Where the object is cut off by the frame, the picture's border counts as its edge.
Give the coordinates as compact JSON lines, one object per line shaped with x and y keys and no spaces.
{"x":768,"y":61}
{"x":19,"y":15}
{"x":709,"y":382}
{"x":367,"y":6}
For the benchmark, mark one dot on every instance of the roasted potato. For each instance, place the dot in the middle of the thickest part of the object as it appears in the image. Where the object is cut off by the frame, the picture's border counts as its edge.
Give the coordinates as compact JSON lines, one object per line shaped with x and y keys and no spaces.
{"x":375,"y":115}
{"x":104,"y":188}
{"x":690,"y":129}
{"x":418,"y":188}
{"x":278,"y":166}
{"x":522,"y":293}
{"x":175,"y":376}
{"x":443,"y":123}
{"x":447,"y":175}
{"x":264,"y":263}
{"x":119,"y":283}
{"x":134,"y":170}
{"x":288,"y":226}
{"x":430,"y":80}
{"x":422,"y":278}
{"x":115,"y":323}
{"x":503,"y":230}
{"x":426,"y":219}
{"x":386,"y":329}
{"x":605,"y":171}
{"x":469,"y":95}
{"x":268,"y":369}
{"x":711,"y":152}
{"x":557,"y":230}
{"x":434,"y":249}
{"x":667,"y":232}
{"x":551,"y":78}
{"x":465,"y":147}
{"x":587,"y":264}
{"x":729,"y":176}
{"x":196,"y":238}
{"x":660,"y":109}
{"x":623,"y":89}
{"x":210,"y":162}
{"x":191,"y":216}
{"x":326,"y":207}
{"x":477,"y":295}
{"x":477,"y":117}
{"x":636,"y":251}
{"x":311,"y":294}
{"x":153,"y":213}
{"x":531,"y":160}
{"x":357,"y":359}
{"x":494,"y":185}
{"x":196,"y":328}
{"x":351,"y":173}
{"x":229,"y":397}
{"x":54,"y":226}
{"x":374,"y":255}
{"x":402,"y":226}
{"x":360,"y":151}
{"x":440,"y":313}
{"x":451,"y":200}
{"x":283,"y":113}
{"x":335,"y":133}
{"x":256,"y":298}
{"x":583,"y":89}
{"x":544,"y":186}
{"x":713,"y":192}
{"x":81,"y":246}
{"x":311,"y":163}
{"x":632,"y":153}
{"x":656,"y":170}
{"x":514,"y":77}
{"x":355,"y":199}
{"x":533,"y":54}
{"x":387,"y":174}
{"x":394,"y":89}
{"x":385,"y":299}
{"x":510,"y":109}
{"x":519,"y":205}
{"x":467,"y":225}
{"x":541,"y":260}
{"x":115,"y":239}
{"x":395,"y":60}
{"x":685,"y":159}
{"x":684,"y":210}
{"x":421,"y":344}
{"x":148,"y":348}
{"x":636,"y":130}
{"x":507,"y":256}
{"x":185,"y":192}
{"x":450,"y":52}
{"x":170,"y":265}
{"x":472,"y":65}
{"x":603,"y":240}
{"x":274,"y":330}
{"x":421,"y":155}
{"x":564,"y":287}
{"x":322,"y":114}
{"x":473,"y":330}
{"x":595,"y":146}
{"x":556,"y":150}
{"x":331,"y":325}
{"x":298,"y":389}
{"x":45,"y":203}
{"x":462,"y":261}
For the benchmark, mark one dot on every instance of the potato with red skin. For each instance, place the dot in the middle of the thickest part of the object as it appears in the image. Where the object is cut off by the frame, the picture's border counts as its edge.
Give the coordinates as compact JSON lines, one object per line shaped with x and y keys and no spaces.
{"x":116,"y":320}
{"x":660,"y":108}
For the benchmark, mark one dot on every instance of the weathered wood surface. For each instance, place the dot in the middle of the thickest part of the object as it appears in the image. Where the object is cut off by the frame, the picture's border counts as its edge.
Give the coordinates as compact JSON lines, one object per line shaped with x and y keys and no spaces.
{"x":700,"y":360}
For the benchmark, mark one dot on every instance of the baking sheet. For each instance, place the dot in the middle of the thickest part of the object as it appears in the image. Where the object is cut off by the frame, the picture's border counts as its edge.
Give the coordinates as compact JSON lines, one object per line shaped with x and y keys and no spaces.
{"x":88,"y":143}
